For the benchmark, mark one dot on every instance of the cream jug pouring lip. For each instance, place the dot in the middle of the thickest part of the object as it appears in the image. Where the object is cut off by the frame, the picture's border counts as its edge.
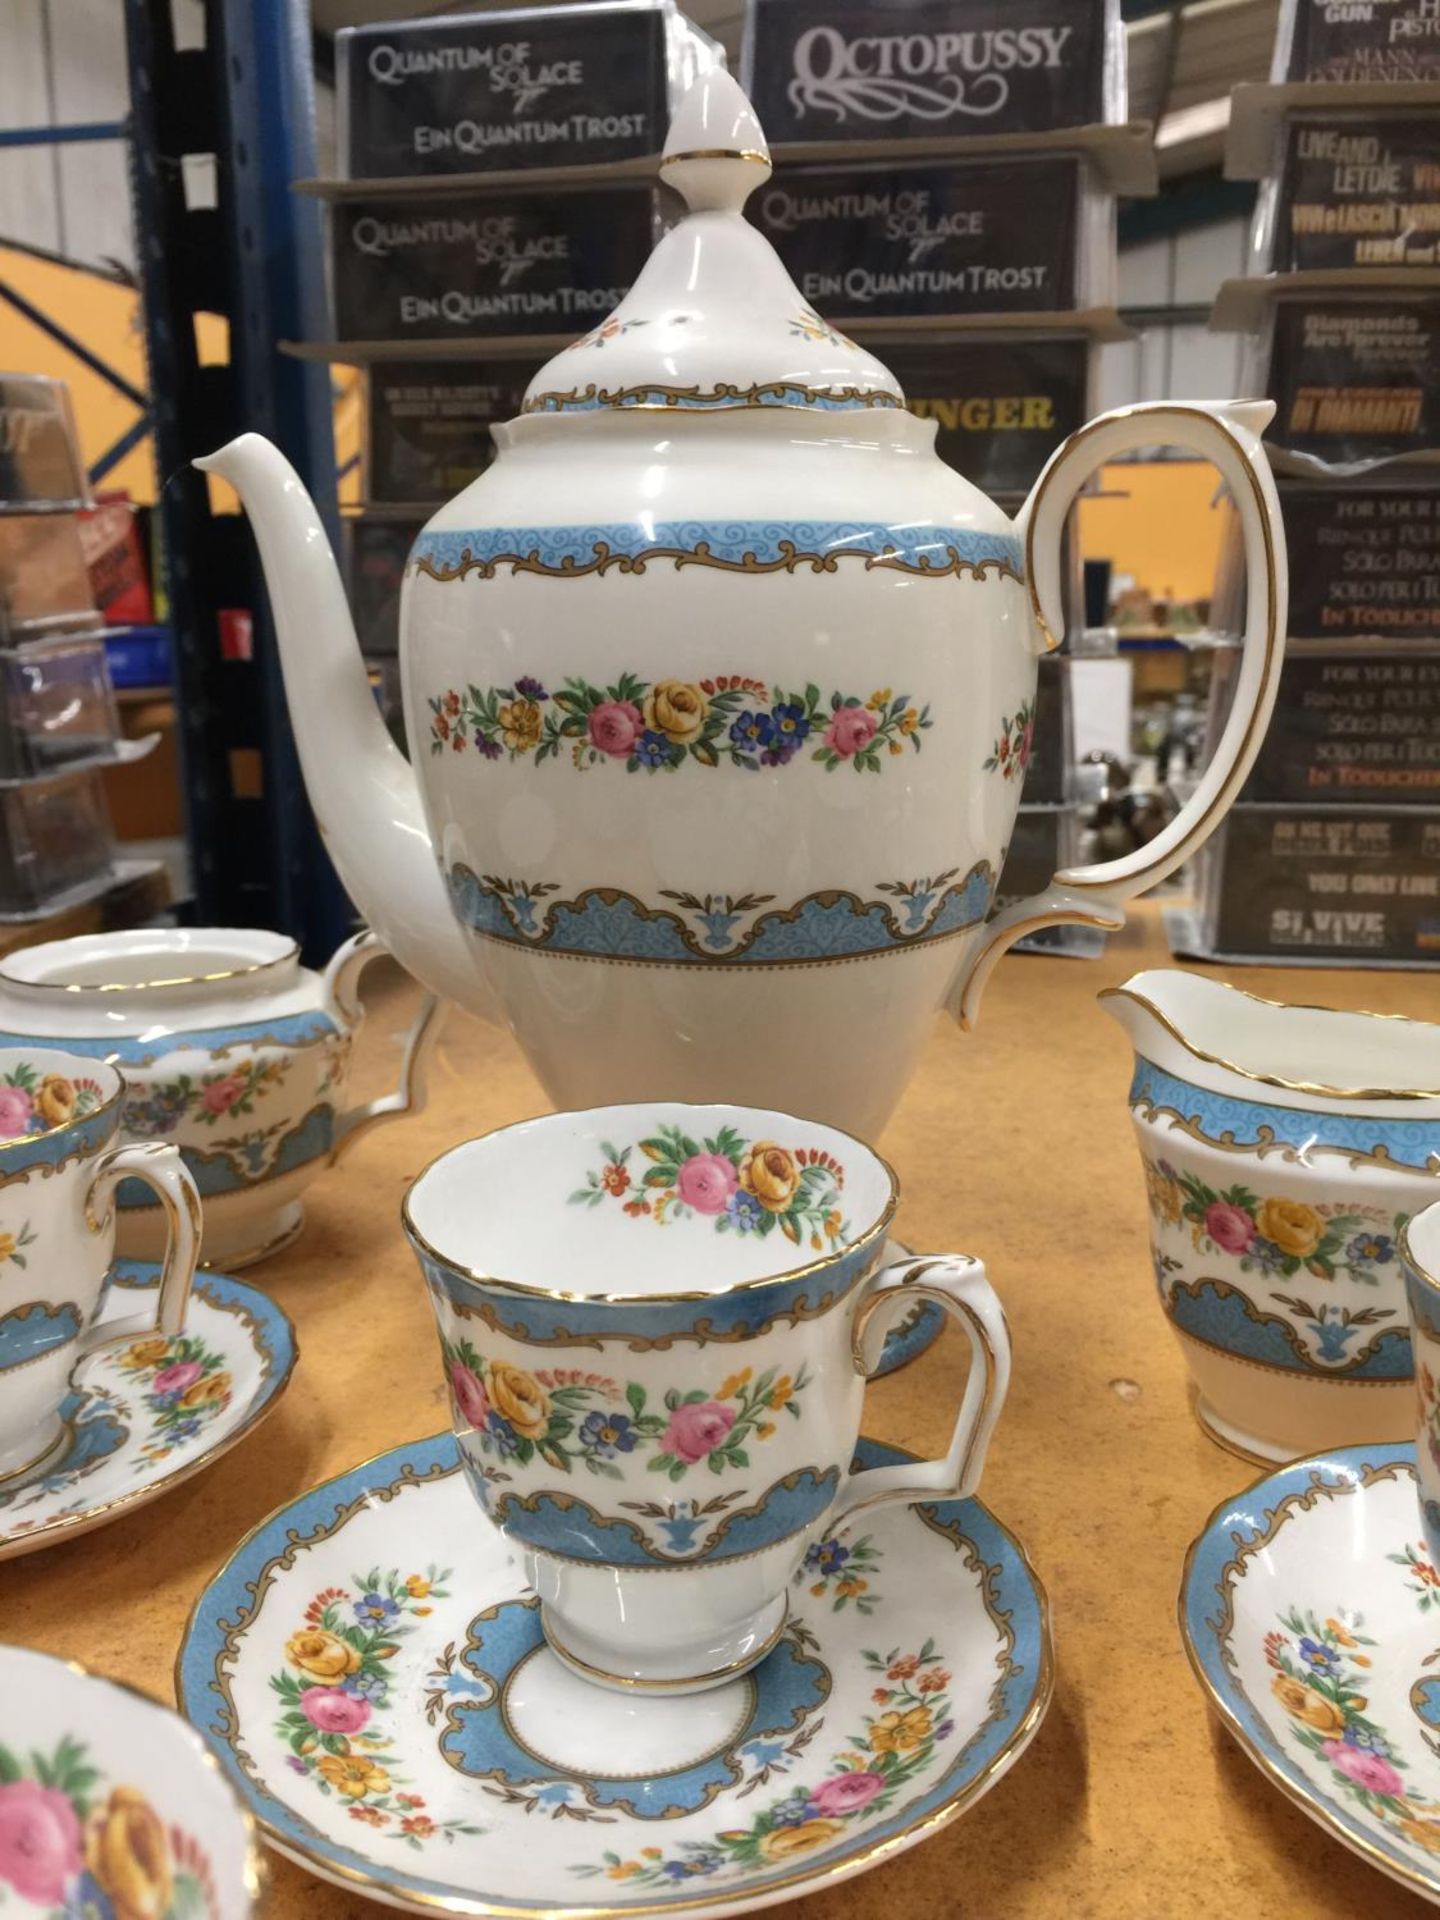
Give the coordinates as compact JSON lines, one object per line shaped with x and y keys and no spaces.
{"x":1226,"y":433}
{"x":1163,"y":1009}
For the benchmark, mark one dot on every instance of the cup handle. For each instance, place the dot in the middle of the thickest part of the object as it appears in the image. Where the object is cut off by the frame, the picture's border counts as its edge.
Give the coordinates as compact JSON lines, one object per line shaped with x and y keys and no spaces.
{"x":957,"y":1283}
{"x":342,"y":994}
{"x":160,"y":1166}
{"x":1228,"y":435}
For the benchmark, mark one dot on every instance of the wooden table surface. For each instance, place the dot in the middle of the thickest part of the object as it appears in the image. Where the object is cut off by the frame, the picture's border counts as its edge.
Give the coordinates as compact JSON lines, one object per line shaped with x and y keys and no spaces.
{"x":1013,"y":1142}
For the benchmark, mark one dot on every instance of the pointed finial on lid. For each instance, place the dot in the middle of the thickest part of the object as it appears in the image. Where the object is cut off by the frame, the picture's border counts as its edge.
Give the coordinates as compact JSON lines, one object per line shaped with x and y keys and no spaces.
{"x":716,"y":153}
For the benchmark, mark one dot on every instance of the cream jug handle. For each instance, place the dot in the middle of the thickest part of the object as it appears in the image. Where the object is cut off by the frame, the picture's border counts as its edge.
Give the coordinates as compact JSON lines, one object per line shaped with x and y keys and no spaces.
{"x":1227,"y":434}
{"x":957,"y":1283}
{"x":342,"y":998}
{"x":158,"y":1164}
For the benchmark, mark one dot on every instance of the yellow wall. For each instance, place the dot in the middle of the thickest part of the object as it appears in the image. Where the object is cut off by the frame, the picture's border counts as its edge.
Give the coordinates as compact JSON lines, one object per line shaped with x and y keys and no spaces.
{"x":107,"y":319}
{"x":1166,"y":531}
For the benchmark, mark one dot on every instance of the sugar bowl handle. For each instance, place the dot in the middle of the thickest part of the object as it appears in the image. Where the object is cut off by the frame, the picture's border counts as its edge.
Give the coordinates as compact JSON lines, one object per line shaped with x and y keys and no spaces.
{"x":956,"y":1283}
{"x":342,"y":996}
{"x":1227,"y":433}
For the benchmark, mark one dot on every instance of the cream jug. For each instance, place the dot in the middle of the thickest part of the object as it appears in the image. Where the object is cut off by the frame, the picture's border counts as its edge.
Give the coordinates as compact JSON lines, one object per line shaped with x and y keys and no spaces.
{"x":719,"y":689}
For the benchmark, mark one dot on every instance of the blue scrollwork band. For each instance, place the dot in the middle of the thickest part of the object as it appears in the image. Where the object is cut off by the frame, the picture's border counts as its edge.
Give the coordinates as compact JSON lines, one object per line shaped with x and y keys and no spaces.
{"x":606,"y":923}
{"x":1322,"y":1344}
{"x":1224,"y":1121}
{"x":732,"y":546}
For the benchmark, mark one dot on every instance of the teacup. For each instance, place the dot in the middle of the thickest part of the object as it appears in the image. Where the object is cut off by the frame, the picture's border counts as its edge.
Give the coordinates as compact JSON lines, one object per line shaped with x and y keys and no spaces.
{"x":1283,"y":1147}
{"x":1420,"y":1255}
{"x":657,"y":1322}
{"x":59,"y":1169}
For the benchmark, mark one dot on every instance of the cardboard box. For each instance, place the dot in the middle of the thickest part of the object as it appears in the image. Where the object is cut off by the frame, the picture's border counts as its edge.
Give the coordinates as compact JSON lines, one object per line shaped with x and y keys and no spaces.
{"x":1001,"y":404}
{"x":857,"y":70}
{"x":537,"y":87}
{"x":427,"y":424}
{"x":1348,"y":727}
{"x":1355,"y":884}
{"x":1357,"y":41}
{"x":463,"y":266}
{"x":943,"y":239}
{"x":1355,"y":379}
{"x":1351,"y":190}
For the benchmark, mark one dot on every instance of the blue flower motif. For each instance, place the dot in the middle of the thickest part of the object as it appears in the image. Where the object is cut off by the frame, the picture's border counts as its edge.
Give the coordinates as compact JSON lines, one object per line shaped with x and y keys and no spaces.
{"x":186,"y":1429}
{"x":366,"y":1686}
{"x":697,"y":1863}
{"x":1366,"y":1741}
{"x":778,"y":755}
{"x":1266,"y":1255}
{"x":751,"y":731}
{"x":828,"y":1556}
{"x":743,"y":1211}
{"x":1371,"y":1249}
{"x":88,"y":1900}
{"x":607,"y":1434}
{"x":501,"y":1432}
{"x":795,"y":1811}
{"x":652,"y":749}
{"x":374,"y":1610}
{"x":529,"y":688}
{"x":1317,"y":1655}
{"x":791,"y":725}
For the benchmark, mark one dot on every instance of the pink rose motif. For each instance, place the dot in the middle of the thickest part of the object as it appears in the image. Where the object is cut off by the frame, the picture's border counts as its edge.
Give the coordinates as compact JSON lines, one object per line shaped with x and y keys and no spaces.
{"x":852,"y":729}
{"x":39,"y":1842}
{"x":1027,"y":740}
{"x":470,"y":1397}
{"x":221,"y":1095}
{"x":615,"y":726}
{"x":696,"y":1429}
{"x":1369,"y":1770}
{"x":176,"y":1378}
{"x":1231,"y":1228}
{"x":706,"y":1182}
{"x":333,"y":1710}
{"x":16,"y":1107}
{"x":846,"y":1793}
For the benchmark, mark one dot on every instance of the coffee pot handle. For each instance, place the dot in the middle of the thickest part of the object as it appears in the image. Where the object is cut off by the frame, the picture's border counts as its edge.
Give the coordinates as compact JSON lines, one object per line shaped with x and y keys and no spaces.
{"x":342,"y":996}
{"x":956,"y":1283}
{"x":159,"y":1165}
{"x":1227,"y":434}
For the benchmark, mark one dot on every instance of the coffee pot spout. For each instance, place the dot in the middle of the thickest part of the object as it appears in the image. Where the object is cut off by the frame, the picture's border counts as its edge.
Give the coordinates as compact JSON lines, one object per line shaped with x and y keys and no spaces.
{"x":364,"y":793}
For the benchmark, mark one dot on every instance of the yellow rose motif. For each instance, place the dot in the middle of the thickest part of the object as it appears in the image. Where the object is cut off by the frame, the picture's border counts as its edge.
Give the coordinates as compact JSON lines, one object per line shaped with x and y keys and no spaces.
{"x":901,"y":1732}
{"x":771,"y":1175}
{"x":207,"y":1393}
{"x":56,"y":1099}
{"x":1422,"y":1833}
{"x":145,"y":1353}
{"x":417,"y":1587}
{"x":788,"y":1843}
{"x":678,"y":709}
{"x":324,"y":1654}
{"x":353,"y":1775}
{"x":519,"y":1398}
{"x":1164,"y":1195}
{"x":519,"y":725}
{"x":129,"y":1857}
{"x":1290,"y":1225}
{"x":1303,"y":1703}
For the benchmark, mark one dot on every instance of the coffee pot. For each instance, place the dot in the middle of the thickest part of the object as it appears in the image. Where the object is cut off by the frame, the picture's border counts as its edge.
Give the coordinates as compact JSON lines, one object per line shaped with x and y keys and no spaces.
{"x":719,"y":689}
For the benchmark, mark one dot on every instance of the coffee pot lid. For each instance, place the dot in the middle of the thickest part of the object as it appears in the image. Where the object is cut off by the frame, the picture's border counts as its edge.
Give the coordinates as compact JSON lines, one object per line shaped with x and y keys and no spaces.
{"x":713,"y":320}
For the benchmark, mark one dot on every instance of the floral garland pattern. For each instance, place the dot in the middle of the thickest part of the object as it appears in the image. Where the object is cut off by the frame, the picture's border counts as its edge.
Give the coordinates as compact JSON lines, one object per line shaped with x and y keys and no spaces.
{"x":565,"y":1416}
{"x":185,"y":1386}
{"x":1319,"y":1669}
{"x":742,"y":1187}
{"x":161,"y":1107}
{"x":1424,"y":1581}
{"x":840,"y":1570}
{"x":1275,"y":1236}
{"x":1010,"y":755}
{"x":334,"y":1694}
{"x":32,"y":1102}
{"x":895,"y":1746}
{"x":70,"y":1849}
{"x":662,"y":725}
{"x":13,"y":1245}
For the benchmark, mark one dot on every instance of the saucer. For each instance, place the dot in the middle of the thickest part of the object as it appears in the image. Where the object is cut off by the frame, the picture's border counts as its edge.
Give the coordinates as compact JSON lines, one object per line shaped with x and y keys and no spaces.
{"x":145,"y":1418}
{"x":1310,"y":1609}
{"x":371,"y":1670}
{"x":112,"y":1805}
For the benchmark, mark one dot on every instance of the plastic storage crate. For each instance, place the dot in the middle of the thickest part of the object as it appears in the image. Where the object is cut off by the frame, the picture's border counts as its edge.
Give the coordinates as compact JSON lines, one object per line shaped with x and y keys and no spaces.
{"x":55,"y":841}
{"x":56,"y":705}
